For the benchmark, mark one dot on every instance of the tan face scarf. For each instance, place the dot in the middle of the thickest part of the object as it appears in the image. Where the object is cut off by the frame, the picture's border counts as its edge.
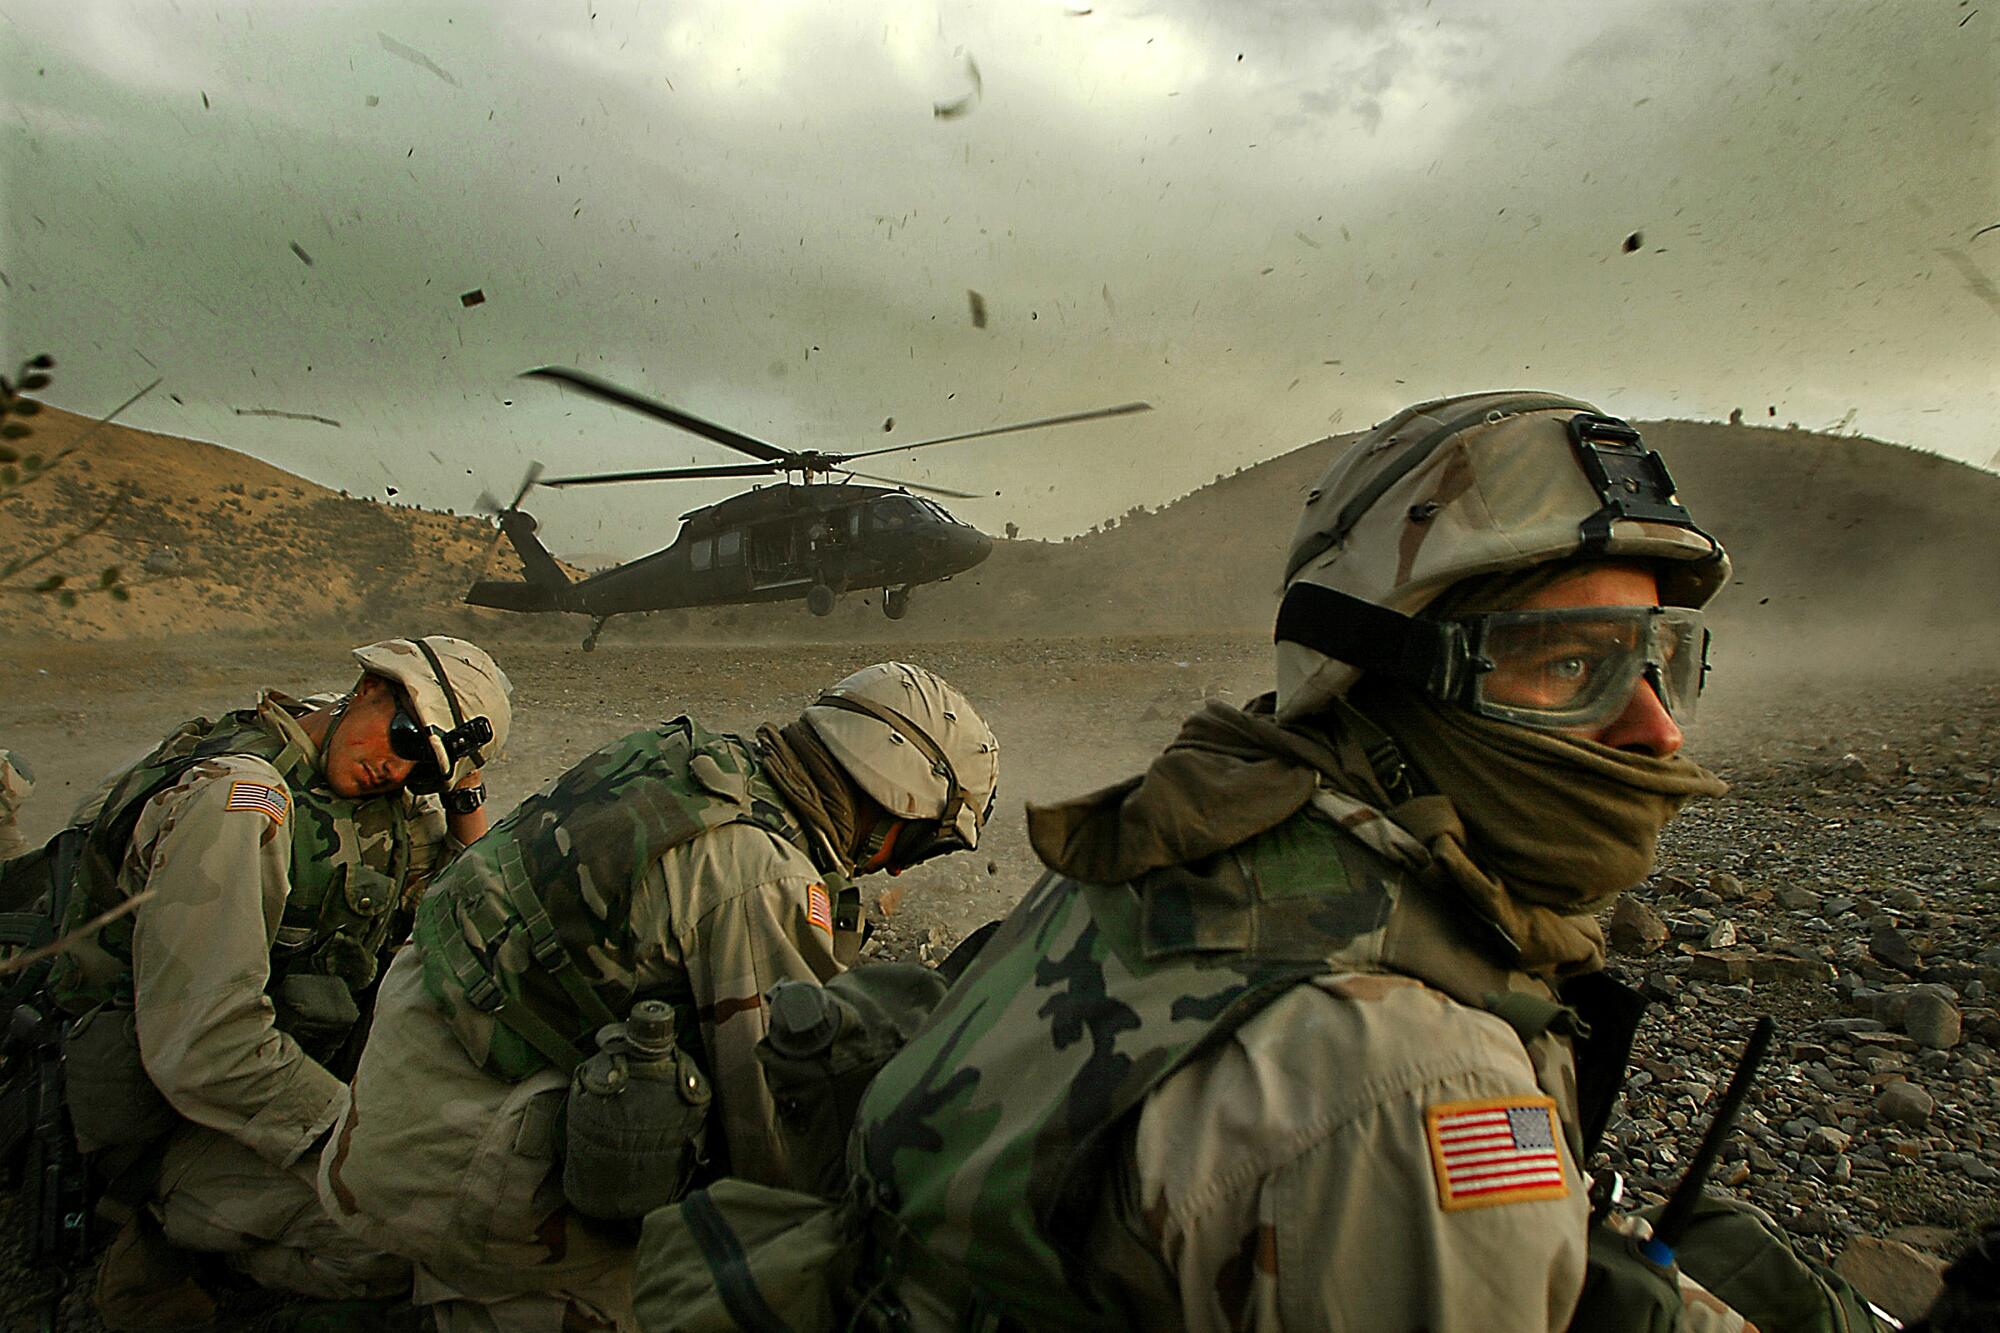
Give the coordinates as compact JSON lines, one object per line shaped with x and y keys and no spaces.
{"x":1538,"y":829}
{"x":814,"y":785}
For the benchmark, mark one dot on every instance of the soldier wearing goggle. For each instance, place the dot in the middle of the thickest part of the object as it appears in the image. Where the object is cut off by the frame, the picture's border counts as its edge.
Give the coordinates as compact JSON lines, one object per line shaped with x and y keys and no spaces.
{"x":570,"y":1041}
{"x":233,"y":897}
{"x":1293,"y":1032}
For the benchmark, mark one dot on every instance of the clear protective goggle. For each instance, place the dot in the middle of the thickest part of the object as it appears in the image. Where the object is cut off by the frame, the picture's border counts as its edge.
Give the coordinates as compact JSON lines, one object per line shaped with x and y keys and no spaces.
{"x":1576,"y":669}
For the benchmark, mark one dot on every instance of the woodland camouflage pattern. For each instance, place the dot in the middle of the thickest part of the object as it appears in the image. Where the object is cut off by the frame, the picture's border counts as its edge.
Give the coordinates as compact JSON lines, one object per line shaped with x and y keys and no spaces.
{"x":668,"y":868}
{"x":241,"y":896}
{"x":352,"y":864}
{"x":1278,"y":1017}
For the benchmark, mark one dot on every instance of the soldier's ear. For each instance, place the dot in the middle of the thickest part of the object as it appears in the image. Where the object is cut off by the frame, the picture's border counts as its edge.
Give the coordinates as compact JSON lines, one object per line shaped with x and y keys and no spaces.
{"x":369,"y":686}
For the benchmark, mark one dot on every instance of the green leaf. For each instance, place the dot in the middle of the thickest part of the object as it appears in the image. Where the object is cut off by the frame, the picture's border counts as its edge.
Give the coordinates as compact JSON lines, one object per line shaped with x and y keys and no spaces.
{"x":8,"y":454}
{"x":35,"y":381}
{"x":43,"y":362}
{"x":14,"y":430}
{"x":27,"y":407}
{"x":9,"y":475}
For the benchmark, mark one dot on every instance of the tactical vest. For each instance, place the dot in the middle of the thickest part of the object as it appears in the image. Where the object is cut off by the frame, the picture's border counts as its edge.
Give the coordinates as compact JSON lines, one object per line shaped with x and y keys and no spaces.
{"x":527,"y":940}
{"x":349,"y":862}
{"x":983,"y":1145}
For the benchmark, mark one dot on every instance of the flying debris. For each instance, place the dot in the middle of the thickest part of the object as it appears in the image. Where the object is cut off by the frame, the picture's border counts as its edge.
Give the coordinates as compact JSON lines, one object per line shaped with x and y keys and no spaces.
{"x":1976,"y":280}
{"x":414,"y":56}
{"x":978,"y":304}
{"x":300,"y":251}
{"x":477,"y":296}
{"x":288,"y":416}
{"x":1634,"y":241}
{"x":812,"y":539}
{"x":958,"y":106}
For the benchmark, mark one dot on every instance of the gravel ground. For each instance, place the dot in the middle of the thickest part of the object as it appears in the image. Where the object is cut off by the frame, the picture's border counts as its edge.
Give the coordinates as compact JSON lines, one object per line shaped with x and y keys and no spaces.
{"x":1847,"y":885}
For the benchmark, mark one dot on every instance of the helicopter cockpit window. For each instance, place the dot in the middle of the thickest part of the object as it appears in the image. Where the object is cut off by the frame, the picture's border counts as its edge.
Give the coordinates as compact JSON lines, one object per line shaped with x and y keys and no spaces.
{"x":937,"y":511}
{"x":896,"y":511}
{"x":729,"y":547}
{"x":701,"y":555}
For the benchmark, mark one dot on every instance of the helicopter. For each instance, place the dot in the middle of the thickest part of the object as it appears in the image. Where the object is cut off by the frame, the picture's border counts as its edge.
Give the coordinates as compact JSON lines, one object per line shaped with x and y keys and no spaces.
{"x":804,"y":539}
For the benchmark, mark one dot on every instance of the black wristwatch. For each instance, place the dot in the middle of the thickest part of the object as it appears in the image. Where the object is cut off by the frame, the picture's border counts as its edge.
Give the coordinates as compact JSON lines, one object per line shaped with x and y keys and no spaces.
{"x":464,"y":800}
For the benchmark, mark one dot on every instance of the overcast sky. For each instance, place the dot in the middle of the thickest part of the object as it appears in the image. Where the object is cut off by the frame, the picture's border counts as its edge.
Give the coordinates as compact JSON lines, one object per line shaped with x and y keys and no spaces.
{"x":1273,"y":219}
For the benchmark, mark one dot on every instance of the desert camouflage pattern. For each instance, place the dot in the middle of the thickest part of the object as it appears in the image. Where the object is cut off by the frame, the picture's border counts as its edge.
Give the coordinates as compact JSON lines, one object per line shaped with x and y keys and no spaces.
{"x":217,"y":1196}
{"x":16,"y":781}
{"x":991,"y":1136}
{"x":353,"y":869}
{"x":898,"y":774}
{"x":483,"y":690}
{"x":238,"y":896}
{"x":668,"y":868}
{"x":1454,"y":488}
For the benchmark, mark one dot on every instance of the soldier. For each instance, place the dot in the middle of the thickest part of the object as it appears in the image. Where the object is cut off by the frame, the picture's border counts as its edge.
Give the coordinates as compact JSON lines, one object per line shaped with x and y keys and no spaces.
{"x":1292,"y":1034}
{"x":669,"y":880}
{"x":16,"y":781}
{"x":276,"y":856}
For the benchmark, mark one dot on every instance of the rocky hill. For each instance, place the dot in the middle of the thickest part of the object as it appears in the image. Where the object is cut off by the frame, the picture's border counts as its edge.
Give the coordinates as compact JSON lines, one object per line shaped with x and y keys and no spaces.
{"x":1829,"y":533}
{"x":210,"y":539}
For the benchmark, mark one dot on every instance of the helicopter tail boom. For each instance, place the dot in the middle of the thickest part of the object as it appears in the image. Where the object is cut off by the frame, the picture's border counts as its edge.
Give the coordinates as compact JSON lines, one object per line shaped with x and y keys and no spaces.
{"x":545,"y":584}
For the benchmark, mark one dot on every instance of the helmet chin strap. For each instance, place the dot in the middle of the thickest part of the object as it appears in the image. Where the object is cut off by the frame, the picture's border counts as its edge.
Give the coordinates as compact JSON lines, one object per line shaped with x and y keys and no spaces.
{"x":878,"y":845}
{"x":333,"y":726}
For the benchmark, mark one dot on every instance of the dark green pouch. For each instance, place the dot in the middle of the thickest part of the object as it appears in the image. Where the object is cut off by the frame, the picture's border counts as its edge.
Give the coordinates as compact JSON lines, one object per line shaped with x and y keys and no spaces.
{"x":1744,"y":1258}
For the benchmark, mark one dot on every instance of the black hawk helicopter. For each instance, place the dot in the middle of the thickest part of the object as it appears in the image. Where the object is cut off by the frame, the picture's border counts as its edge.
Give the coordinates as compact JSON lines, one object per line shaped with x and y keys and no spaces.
{"x":797,"y":539}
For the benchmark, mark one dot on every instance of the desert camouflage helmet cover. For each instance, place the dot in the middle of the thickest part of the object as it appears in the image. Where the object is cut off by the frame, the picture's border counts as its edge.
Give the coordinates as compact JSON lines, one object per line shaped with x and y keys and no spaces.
{"x":1479,"y":484}
{"x":477,"y":684}
{"x":913,"y":743}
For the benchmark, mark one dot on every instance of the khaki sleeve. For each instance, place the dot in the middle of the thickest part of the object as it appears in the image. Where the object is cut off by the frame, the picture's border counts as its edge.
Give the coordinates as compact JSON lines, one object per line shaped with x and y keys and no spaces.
{"x":1289,"y":1180}
{"x":746,"y":918}
{"x":432,"y":848}
{"x":216,"y":857}
{"x":16,"y":781}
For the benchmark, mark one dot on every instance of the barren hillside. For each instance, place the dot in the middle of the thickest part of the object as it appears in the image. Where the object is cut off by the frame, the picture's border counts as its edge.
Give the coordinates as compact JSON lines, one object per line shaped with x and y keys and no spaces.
{"x":1828,"y":531}
{"x":209,"y":539}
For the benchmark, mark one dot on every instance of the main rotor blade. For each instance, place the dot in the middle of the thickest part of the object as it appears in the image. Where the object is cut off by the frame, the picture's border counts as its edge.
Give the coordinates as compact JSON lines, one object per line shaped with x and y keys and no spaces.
{"x":659,"y":411}
{"x":1123,"y":409}
{"x":528,"y":480}
{"x":667,"y":474}
{"x":915,"y":486}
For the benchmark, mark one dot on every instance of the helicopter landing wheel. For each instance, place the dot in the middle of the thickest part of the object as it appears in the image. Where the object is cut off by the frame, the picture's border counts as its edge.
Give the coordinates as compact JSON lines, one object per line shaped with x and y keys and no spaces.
{"x":895,"y":602}
{"x":819,"y":600}
{"x":590,"y":644}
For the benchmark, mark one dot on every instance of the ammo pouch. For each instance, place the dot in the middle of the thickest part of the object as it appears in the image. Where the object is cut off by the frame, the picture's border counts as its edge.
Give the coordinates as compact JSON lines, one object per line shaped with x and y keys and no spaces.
{"x":743,"y":1256}
{"x":824,"y":1045}
{"x":316,"y":1011}
{"x":1623,"y":1291}
{"x":112,"y":1101}
{"x":636,"y":1119}
{"x":1737,"y":1252}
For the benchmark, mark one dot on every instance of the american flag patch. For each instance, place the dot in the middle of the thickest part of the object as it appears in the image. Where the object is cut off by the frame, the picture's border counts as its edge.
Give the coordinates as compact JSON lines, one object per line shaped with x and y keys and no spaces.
{"x":1502,"y":1150}
{"x":819,"y":908}
{"x":275,"y":802}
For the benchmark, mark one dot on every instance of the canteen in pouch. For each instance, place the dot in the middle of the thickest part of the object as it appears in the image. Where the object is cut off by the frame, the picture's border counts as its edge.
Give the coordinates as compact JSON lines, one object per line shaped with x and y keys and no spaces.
{"x":636,"y":1119}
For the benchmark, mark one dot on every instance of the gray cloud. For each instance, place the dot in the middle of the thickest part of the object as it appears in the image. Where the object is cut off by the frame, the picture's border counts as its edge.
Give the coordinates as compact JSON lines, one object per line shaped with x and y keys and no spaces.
{"x":750,"y":210}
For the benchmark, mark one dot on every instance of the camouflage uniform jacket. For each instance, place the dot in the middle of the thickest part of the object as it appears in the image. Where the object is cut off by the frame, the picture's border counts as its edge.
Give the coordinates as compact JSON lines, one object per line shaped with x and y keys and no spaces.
{"x":664,"y":866}
{"x":1222,"y":1097}
{"x":256,"y":873}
